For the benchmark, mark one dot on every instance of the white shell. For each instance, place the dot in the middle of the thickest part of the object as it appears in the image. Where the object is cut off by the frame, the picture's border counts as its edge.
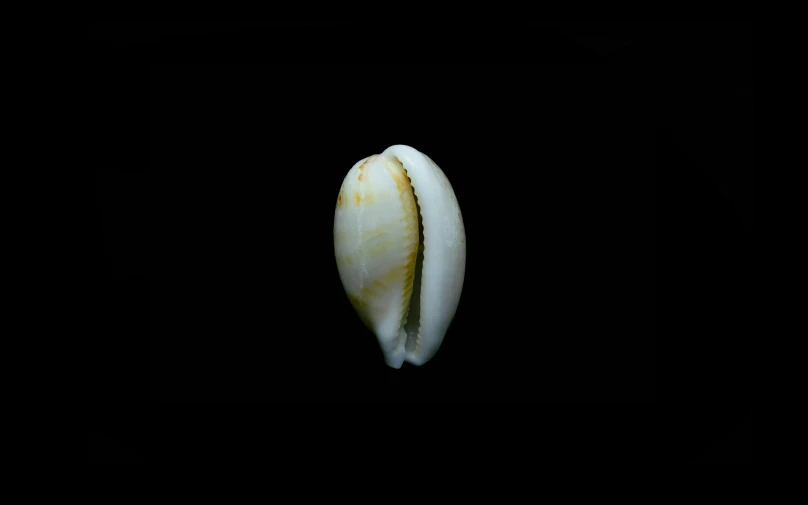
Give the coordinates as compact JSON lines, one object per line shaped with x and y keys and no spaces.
{"x":376,"y":242}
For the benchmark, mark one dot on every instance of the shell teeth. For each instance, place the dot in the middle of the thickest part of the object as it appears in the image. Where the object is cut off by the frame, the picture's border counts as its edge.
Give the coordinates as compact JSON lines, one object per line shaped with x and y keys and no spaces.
{"x":419,"y":251}
{"x":407,"y":197}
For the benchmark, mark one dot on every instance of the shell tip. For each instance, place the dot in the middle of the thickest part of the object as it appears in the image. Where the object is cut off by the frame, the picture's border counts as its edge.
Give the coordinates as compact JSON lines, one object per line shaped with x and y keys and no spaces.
{"x":394,"y":359}
{"x":414,"y":359}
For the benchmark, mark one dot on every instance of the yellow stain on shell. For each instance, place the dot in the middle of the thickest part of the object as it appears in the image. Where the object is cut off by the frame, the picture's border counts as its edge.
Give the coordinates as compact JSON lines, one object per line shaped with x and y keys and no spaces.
{"x":370,"y":158}
{"x":400,"y":178}
{"x":394,"y":274}
{"x":380,"y":247}
{"x":357,"y":302}
{"x":359,"y":198}
{"x":360,"y":306}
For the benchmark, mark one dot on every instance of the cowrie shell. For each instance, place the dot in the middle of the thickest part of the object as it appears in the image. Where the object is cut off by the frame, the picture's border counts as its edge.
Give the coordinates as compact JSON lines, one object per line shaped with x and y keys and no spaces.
{"x":400,"y":248}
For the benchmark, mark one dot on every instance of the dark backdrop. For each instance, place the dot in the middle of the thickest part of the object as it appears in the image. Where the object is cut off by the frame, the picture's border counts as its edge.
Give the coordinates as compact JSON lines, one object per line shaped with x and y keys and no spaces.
{"x":588,"y":160}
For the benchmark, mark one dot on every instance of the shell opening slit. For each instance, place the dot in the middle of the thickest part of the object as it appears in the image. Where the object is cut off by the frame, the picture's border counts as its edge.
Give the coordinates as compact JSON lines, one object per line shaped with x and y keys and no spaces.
{"x":413,"y":318}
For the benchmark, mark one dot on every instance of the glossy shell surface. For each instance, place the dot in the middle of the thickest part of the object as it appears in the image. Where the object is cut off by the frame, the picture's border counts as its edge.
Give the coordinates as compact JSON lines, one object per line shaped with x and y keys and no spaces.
{"x":400,"y":249}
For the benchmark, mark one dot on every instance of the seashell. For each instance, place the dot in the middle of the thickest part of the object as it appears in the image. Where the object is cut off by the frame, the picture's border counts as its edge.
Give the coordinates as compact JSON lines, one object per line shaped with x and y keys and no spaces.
{"x":400,"y":248}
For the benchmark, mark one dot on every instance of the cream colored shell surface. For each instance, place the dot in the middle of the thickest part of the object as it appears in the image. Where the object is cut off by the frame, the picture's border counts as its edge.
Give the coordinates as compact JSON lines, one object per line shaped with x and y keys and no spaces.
{"x":376,"y":241}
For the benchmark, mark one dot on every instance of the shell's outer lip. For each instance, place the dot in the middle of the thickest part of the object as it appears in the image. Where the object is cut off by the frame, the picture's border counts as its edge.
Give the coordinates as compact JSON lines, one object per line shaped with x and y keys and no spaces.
{"x":444,"y":249}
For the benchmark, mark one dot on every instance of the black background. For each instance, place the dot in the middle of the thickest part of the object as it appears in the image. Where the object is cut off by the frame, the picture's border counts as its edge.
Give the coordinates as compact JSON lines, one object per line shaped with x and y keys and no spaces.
{"x":590,"y":160}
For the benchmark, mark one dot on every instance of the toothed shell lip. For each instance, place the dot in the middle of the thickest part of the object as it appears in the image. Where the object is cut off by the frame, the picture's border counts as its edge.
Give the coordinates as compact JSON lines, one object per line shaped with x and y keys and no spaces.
{"x":377,"y":244}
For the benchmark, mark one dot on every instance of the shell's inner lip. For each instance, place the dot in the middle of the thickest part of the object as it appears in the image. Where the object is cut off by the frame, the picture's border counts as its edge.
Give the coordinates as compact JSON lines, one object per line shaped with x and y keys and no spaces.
{"x":413,"y":323}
